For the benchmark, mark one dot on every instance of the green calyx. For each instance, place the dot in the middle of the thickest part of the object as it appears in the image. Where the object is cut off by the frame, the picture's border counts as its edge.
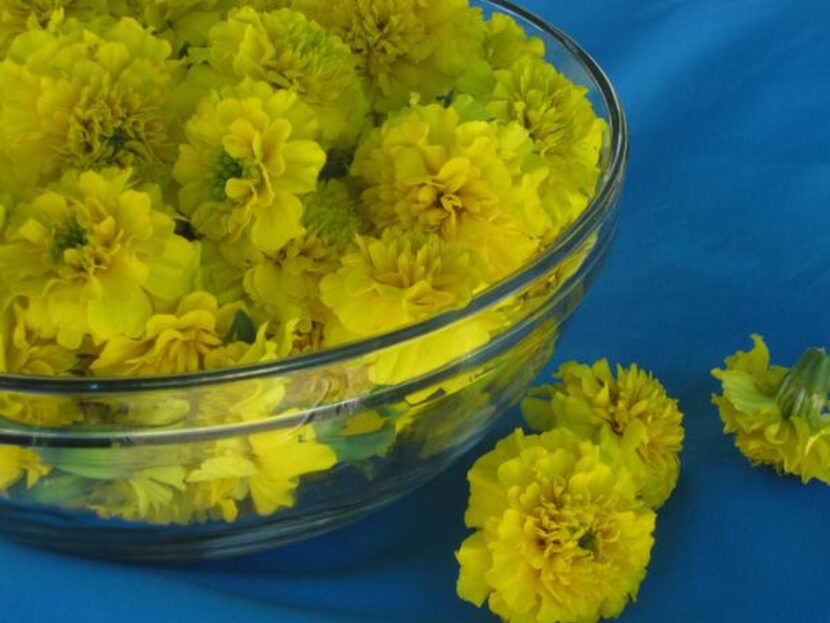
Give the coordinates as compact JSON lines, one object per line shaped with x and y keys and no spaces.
{"x":804,"y":390}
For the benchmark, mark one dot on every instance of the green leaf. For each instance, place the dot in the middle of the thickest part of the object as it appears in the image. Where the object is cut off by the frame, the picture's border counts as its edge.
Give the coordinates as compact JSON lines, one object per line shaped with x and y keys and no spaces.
{"x":242,"y":329}
{"x":55,"y":489}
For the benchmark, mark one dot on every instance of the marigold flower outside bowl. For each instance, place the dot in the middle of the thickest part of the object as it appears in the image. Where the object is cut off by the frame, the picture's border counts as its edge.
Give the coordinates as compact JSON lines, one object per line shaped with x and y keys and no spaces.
{"x":282,"y":451}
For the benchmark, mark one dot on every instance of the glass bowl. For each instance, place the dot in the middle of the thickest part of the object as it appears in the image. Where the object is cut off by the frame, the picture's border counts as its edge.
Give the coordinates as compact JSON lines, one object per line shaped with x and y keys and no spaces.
{"x":237,"y":460}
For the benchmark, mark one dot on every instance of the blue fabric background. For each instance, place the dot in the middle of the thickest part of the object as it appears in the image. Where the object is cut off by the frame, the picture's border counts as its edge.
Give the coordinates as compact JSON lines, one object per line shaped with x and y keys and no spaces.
{"x":725,"y":231}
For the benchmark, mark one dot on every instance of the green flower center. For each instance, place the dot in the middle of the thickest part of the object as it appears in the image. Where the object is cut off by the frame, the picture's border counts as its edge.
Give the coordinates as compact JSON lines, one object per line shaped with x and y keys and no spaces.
{"x":71,"y":236}
{"x":589,"y":542}
{"x":227,"y":168}
{"x":117,"y":140}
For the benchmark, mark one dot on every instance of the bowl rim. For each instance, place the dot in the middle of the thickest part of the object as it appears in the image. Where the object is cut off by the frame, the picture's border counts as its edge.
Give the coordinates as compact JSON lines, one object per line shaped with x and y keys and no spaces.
{"x":596,"y":212}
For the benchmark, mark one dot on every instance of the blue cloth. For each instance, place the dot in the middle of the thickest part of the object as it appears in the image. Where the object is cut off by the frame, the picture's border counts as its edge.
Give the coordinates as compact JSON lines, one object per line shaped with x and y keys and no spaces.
{"x":724,"y":232}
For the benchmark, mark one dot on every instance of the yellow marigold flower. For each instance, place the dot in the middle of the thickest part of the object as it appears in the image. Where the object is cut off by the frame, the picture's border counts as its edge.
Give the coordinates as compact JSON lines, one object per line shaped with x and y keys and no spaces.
{"x":560,"y":532}
{"x":26,"y":352}
{"x":199,"y":332}
{"x":89,"y":253}
{"x":87,"y":97}
{"x":399,"y":364}
{"x":288,"y":51}
{"x":267,"y":468}
{"x":17,"y":463}
{"x":249,"y":348}
{"x":778,"y":416}
{"x":195,"y":482}
{"x":507,"y":43}
{"x":404,"y":46}
{"x":398,"y":279}
{"x":18,"y":16}
{"x":152,"y":494}
{"x":565,"y":129}
{"x":285,"y":286}
{"x":251,"y":151}
{"x":184,"y":23}
{"x":631,"y":409}
{"x":471,"y":182}
{"x":23,"y":351}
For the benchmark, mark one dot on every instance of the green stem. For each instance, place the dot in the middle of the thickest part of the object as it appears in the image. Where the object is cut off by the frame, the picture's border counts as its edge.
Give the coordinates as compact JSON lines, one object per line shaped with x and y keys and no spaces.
{"x":803,"y":391}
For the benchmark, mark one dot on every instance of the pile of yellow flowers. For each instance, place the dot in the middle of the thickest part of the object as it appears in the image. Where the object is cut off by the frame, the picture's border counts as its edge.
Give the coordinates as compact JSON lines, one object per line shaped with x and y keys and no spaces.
{"x":196,"y":184}
{"x":339,"y":170}
{"x":564,"y":518}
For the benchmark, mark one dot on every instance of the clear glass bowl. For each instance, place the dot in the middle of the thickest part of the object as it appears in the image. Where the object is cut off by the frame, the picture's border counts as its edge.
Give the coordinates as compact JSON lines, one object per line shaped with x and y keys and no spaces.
{"x":243,"y":459}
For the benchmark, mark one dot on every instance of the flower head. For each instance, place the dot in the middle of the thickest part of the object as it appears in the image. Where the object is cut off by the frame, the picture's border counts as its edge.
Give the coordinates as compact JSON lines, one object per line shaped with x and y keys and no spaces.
{"x":471,"y":182}
{"x":90,"y":254}
{"x":285,"y":286}
{"x":18,"y":16}
{"x":87,"y":97}
{"x":630,"y":409}
{"x":404,"y":46}
{"x":565,"y":130}
{"x":250,"y":152}
{"x":265,"y":468}
{"x":398,"y":279}
{"x":23,"y":351}
{"x":769,"y":429}
{"x":198,"y":335}
{"x":560,"y":533}
{"x":288,"y":51}
{"x":507,"y":43}
{"x":183,"y":23}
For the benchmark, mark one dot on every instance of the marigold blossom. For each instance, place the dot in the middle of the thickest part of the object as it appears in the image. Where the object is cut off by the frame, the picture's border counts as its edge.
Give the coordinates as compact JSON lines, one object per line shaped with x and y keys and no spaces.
{"x":560,"y":534}
{"x":630,"y":409}
{"x":767,"y":434}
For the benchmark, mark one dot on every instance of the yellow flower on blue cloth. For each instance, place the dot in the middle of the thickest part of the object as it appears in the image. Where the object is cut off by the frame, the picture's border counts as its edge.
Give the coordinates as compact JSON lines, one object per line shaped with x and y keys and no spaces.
{"x":560,"y":532}
{"x":87,"y":96}
{"x":404,"y":46}
{"x":288,"y":51}
{"x":251,"y":152}
{"x":471,"y":182}
{"x":91,"y":254}
{"x":770,"y":427}
{"x":630,"y":409}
